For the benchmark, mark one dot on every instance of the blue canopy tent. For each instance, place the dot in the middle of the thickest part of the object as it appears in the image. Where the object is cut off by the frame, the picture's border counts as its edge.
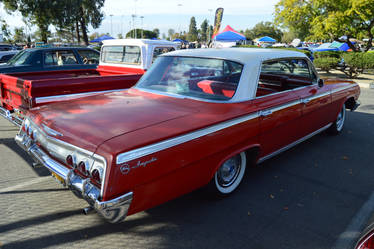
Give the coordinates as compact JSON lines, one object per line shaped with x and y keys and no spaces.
{"x":179,"y":40}
{"x":266,"y":39}
{"x":102,"y":38}
{"x":229,"y":35}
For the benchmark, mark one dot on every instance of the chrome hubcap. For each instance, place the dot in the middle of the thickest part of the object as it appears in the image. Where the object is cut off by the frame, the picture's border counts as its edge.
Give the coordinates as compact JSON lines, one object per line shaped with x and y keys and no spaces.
{"x":229,"y":171}
{"x":340,"y":119}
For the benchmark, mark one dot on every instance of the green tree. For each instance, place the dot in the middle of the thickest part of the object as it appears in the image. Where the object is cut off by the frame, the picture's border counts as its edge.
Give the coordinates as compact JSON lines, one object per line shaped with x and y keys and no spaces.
{"x":204,"y":30}
{"x":295,"y":15}
{"x":265,"y":29}
{"x":210,"y":32}
{"x":119,"y":36}
{"x":157,"y":32}
{"x":192,"y":31}
{"x":37,"y":12}
{"x":147,"y":34}
{"x":322,"y":19}
{"x":19,"y":35}
{"x":7,"y":34}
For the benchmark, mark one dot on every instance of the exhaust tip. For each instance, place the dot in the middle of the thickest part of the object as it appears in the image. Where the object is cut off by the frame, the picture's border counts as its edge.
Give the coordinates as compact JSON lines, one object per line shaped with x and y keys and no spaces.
{"x":87,"y":210}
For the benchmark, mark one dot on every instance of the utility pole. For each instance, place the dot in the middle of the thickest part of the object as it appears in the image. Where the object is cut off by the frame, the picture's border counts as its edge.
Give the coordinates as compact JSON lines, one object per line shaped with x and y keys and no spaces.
{"x":179,"y":8}
{"x":133,"y":23}
{"x":111,"y":25}
{"x":141,"y":18}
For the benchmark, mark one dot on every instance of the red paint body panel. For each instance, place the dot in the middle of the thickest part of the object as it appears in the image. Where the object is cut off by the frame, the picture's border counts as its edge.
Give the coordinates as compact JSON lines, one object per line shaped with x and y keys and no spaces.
{"x":22,"y":90}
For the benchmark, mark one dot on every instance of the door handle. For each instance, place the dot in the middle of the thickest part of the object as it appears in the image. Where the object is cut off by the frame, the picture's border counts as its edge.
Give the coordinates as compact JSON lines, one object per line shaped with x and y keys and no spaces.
{"x":266,"y":113}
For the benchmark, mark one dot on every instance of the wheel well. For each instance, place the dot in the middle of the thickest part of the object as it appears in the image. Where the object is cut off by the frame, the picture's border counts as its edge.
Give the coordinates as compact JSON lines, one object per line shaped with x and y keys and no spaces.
{"x":350,"y":103}
{"x":252,"y":155}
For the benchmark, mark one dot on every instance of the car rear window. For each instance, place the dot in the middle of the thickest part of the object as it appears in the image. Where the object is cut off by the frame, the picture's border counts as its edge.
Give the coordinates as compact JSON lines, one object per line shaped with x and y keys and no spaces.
{"x":121,"y":54}
{"x":202,"y":78}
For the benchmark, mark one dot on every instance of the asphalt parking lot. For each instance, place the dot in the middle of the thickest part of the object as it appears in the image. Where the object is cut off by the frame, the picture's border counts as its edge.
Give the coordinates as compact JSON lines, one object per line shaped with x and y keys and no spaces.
{"x":311,"y":196}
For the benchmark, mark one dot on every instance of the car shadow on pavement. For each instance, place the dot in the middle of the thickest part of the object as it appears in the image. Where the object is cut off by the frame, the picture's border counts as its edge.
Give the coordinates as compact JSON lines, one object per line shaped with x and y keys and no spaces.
{"x":33,"y":191}
{"x":12,"y":145}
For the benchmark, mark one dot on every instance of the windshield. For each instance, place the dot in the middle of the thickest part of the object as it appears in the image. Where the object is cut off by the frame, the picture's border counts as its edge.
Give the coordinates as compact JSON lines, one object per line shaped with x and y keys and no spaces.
{"x":20,"y":58}
{"x":203,"y":78}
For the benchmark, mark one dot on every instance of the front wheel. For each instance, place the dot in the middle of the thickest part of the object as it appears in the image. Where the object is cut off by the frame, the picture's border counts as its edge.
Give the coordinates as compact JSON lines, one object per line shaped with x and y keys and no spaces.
{"x":338,"y":125}
{"x":229,"y":175}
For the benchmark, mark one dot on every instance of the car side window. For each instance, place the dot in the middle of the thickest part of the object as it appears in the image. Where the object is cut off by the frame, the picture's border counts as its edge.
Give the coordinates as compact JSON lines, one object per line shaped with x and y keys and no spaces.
{"x":161,"y":50}
{"x":59,"y":58}
{"x":282,"y":75}
{"x":89,"y":56}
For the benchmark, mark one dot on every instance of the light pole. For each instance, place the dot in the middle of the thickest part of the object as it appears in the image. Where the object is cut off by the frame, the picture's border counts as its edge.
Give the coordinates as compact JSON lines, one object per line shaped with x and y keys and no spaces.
{"x":133,"y":17}
{"x":141,"y":18}
{"x":111,"y":25}
{"x":133,"y":23}
{"x":122,"y":26}
{"x":179,"y":8}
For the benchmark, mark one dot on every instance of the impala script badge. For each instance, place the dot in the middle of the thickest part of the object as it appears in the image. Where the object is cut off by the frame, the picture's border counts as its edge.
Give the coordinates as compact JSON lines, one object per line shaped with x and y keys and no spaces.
{"x":126,"y":168}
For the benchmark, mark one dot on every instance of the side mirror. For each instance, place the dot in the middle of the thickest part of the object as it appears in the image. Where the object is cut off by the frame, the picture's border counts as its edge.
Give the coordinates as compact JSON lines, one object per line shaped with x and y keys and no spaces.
{"x":320,"y":82}
{"x":367,"y":242}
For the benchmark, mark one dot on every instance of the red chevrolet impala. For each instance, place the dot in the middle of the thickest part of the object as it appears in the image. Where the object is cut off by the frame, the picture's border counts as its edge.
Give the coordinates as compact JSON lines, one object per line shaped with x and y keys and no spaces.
{"x":197,"y":117}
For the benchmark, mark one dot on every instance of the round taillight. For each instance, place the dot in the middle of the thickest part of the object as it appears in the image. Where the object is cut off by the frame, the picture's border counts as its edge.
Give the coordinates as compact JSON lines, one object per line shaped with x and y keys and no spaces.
{"x":69,"y":160}
{"x":96,"y":175}
{"x":82,"y":168}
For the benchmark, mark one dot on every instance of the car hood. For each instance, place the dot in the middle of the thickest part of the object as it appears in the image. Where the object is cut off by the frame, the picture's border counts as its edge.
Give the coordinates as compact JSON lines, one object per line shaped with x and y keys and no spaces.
{"x":90,"y":121}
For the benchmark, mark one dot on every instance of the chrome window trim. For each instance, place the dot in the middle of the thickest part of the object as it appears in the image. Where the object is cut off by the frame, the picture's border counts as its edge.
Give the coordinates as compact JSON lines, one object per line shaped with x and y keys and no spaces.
{"x":289,"y":146}
{"x":156,"y":147}
{"x":178,"y":96}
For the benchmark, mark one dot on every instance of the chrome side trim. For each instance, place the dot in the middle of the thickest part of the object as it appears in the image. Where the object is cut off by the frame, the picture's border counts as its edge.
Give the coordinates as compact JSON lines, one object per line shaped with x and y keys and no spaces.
{"x":41,"y":100}
{"x":144,"y":151}
{"x":293,"y":144}
{"x":284,"y":106}
{"x":342,"y":88}
{"x":319,"y":95}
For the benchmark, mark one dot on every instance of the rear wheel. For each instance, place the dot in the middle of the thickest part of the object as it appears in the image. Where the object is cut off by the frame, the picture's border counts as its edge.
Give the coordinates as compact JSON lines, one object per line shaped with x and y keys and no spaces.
{"x":338,"y":125}
{"x":229,"y":175}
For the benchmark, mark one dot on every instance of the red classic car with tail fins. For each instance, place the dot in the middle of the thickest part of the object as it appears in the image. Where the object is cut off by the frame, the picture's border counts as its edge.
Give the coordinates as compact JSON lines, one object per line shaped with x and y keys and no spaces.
{"x":197,"y":117}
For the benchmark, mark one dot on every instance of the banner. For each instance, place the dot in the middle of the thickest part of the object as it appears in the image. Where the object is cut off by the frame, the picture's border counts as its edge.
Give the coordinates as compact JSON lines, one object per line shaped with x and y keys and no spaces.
{"x":217,"y":21}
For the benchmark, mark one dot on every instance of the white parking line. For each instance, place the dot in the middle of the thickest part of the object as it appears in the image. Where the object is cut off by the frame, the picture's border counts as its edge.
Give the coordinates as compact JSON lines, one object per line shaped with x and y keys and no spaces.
{"x":24,"y":184}
{"x":350,"y":236}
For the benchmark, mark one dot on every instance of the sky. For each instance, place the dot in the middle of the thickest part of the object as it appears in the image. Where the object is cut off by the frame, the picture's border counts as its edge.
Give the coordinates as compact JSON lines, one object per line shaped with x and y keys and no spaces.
{"x":172,"y":14}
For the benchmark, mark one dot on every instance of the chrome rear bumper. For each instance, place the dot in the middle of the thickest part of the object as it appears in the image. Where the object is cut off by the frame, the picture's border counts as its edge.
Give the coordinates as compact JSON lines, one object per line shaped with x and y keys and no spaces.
{"x":114,"y":210}
{"x":10,"y":117}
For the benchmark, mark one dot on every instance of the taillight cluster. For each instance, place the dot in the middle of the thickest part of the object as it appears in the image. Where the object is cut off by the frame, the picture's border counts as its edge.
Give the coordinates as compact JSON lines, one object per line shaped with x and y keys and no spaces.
{"x":83,"y":167}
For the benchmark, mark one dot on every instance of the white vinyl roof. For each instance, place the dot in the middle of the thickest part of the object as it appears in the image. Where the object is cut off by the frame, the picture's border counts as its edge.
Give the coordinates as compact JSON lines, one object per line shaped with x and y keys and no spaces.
{"x":242,"y":55}
{"x":251,"y":58}
{"x":138,"y":42}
